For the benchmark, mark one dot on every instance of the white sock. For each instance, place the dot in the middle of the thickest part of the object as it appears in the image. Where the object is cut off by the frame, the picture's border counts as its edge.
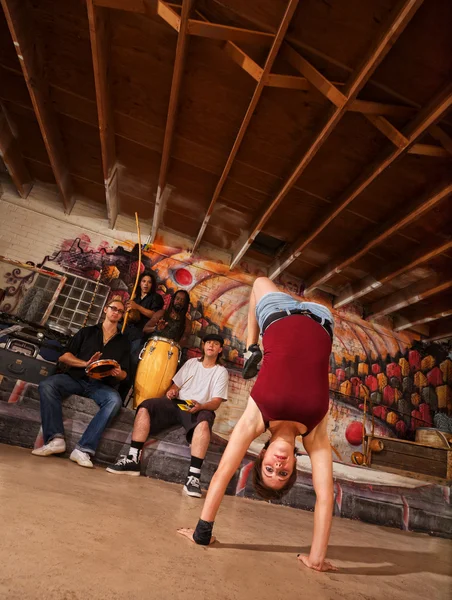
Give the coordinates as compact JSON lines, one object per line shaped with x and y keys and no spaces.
{"x":133,"y":452}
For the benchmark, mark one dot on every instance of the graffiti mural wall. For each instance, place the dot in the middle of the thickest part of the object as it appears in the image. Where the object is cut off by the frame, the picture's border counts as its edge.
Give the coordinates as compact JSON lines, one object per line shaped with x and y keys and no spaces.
{"x":408,"y":384}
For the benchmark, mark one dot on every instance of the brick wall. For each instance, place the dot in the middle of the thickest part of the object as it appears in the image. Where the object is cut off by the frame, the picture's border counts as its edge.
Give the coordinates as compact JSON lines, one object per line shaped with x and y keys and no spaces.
{"x":33,"y":228}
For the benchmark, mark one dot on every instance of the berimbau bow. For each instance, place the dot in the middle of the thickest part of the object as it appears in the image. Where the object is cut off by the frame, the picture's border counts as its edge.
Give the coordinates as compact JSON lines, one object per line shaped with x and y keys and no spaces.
{"x":132,"y":295}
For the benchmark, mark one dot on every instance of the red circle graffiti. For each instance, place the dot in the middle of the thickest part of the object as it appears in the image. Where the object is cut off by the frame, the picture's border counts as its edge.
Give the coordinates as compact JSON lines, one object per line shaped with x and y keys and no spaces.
{"x":354,"y":433}
{"x":183,"y":277}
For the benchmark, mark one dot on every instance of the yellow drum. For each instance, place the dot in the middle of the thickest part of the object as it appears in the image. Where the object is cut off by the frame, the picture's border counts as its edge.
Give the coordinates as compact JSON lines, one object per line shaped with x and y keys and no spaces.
{"x":156,"y":368}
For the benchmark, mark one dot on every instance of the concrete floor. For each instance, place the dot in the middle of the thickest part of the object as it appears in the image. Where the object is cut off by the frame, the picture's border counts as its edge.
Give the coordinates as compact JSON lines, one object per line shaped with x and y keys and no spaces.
{"x":69,"y":533}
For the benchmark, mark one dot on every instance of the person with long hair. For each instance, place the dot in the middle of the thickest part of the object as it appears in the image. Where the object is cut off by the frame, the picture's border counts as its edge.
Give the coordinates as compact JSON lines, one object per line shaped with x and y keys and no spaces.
{"x":290,"y":398}
{"x":172,"y":323}
{"x":146,"y":302}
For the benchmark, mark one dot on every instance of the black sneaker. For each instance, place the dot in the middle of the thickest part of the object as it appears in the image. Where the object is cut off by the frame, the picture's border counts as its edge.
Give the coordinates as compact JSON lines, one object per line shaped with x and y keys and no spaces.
{"x":126,"y":465}
{"x":192,"y":487}
{"x":253,"y":358}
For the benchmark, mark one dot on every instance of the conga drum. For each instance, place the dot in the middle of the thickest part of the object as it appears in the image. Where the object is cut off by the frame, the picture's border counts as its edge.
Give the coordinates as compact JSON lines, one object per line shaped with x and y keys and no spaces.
{"x":156,"y":368}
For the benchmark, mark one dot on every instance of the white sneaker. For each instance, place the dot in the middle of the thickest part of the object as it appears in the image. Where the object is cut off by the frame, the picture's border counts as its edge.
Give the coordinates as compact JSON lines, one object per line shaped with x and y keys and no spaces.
{"x":55,"y":446}
{"x":81,"y":458}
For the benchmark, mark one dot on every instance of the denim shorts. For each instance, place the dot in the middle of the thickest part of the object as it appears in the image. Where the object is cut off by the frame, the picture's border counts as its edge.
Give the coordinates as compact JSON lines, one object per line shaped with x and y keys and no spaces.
{"x":277,"y":301}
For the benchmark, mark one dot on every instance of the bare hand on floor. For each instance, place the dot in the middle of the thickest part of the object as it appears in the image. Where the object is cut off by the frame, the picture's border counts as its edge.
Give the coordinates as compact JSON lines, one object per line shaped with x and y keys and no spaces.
{"x":188,"y":533}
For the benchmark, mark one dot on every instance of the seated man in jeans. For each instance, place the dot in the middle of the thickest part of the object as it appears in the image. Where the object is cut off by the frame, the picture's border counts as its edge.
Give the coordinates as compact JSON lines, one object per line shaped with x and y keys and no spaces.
{"x":103,"y":340}
{"x":205,"y":383}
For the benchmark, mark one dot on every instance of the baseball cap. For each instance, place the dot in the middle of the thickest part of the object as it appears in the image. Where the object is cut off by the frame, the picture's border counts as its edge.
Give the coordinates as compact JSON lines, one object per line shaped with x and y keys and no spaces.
{"x":213,"y":337}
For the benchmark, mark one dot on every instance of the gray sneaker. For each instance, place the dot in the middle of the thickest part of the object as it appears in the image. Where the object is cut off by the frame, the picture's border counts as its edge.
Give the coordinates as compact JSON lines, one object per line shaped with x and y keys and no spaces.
{"x":55,"y":446}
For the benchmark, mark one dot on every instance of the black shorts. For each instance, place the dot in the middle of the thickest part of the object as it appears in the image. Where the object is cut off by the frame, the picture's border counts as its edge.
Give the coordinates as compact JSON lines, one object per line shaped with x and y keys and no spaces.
{"x":165,"y":413}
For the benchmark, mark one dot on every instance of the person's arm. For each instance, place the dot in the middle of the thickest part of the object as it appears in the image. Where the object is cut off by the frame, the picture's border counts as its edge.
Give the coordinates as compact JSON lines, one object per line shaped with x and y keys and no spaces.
{"x":152,"y":323}
{"x":72,"y":361}
{"x":172,"y":392}
{"x":212,"y":405}
{"x":249,"y":427}
{"x":187,"y":331}
{"x":118,"y":373}
{"x":147,"y":312}
{"x":317,"y":445}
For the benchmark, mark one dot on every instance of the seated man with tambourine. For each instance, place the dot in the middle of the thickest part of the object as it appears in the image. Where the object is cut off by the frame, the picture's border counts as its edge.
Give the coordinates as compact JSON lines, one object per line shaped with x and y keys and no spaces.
{"x":98,"y":359}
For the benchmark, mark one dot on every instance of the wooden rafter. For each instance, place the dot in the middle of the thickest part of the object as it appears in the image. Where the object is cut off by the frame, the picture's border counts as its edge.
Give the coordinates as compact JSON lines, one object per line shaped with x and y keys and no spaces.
{"x":440,"y":330}
{"x":367,"y":107}
{"x":418,"y":291}
{"x":11,"y":156}
{"x":359,"y":289}
{"x":137,"y":6}
{"x":399,"y":140}
{"x":98,"y":30}
{"x":217,"y":31}
{"x":437,"y":309}
{"x":428,"y":150}
{"x":442,"y":138}
{"x":387,"y":129}
{"x":241,"y":58}
{"x":169,"y":15}
{"x":412,"y":132}
{"x":398,"y":21}
{"x":278,"y":39}
{"x":415,"y":211}
{"x":179,"y":61}
{"x":315,"y":78}
{"x":18,"y":19}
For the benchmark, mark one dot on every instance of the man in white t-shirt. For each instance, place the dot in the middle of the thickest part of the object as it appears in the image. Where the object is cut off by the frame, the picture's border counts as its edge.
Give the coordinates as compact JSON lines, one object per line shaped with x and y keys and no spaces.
{"x":203,"y":382}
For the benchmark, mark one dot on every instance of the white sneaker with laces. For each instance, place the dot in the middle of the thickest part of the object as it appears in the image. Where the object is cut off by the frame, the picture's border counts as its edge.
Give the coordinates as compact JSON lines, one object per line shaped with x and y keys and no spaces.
{"x":55,"y":446}
{"x":81,"y":458}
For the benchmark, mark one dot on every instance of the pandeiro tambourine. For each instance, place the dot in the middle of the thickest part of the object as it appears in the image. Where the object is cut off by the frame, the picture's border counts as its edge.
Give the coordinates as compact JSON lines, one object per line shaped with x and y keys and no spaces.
{"x":101,"y":368}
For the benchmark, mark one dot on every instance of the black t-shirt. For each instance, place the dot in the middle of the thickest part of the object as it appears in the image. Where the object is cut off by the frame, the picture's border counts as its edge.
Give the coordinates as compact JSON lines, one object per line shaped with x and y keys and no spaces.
{"x":151,"y":301}
{"x":89,"y":340}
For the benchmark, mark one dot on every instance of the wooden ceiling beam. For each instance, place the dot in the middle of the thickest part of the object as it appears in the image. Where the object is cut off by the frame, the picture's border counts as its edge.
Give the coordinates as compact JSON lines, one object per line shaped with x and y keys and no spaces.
{"x":99,"y":36}
{"x":216,"y":31}
{"x":414,"y":130}
{"x":437,"y":309}
{"x":387,"y":129}
{"x":412,"y":294}
{"x":244,"y":61}
{"x":292,"y":82}
{"x":168,"y":14}
{"x":367,"y":107}
{"x":442,"y":137}
{"x":429,"y":150}
{"x":137,"y":6}
{"x":399,"y":19}
{"x":403,"y":218}
{"x":399,"y":140}
{"x":315,"y":78}
{"x":441,"y":330}
{"x":11,"y":156}
{"x":179,"y":62}
{"x":277,"y":41}
{"x":17,"y":13}
{"x":354,"y":291}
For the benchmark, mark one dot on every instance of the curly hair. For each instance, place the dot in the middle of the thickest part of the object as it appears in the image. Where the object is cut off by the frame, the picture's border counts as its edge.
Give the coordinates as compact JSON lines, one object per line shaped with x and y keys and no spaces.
{"x":265,"y":492}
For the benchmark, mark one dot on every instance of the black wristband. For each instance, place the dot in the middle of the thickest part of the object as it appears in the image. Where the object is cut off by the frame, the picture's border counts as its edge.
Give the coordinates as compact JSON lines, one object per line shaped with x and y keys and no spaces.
{"x":203,"y":532}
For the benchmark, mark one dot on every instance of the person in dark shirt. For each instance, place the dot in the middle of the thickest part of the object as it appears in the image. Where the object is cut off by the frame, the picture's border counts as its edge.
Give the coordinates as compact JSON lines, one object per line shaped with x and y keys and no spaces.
{"x":147,"y":301}
{"x":172,"y":323}
{"x":103,"y":340}
{"x":142,"y":308}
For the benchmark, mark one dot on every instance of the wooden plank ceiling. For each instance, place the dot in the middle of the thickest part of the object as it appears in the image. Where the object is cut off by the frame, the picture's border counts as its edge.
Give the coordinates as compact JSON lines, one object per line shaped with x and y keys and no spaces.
{"x":315,"y":137}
